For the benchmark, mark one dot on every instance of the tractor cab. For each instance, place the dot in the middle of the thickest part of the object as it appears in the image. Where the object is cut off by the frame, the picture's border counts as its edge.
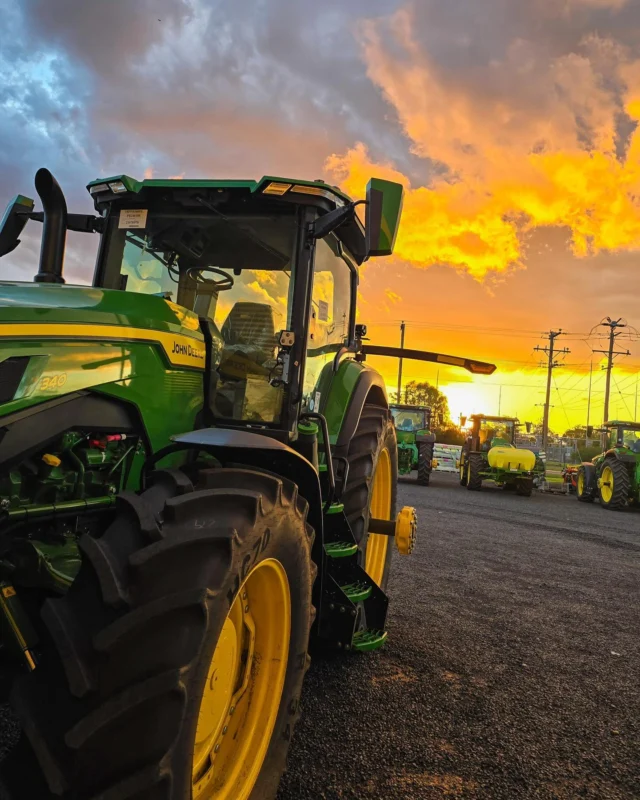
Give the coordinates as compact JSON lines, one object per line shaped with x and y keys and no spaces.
{"x":487,"y":432}
{"x":622,"y":436}
{"x":411,"y":419}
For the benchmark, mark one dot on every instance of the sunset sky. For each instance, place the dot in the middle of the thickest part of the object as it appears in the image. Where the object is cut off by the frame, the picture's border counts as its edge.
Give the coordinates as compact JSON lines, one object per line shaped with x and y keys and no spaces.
{"x":512,"y":124}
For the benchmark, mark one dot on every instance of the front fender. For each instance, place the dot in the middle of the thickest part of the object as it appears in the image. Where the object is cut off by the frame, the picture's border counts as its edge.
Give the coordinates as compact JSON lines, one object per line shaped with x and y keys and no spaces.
{"x":263,"y":452}
{"x":344,"y":395}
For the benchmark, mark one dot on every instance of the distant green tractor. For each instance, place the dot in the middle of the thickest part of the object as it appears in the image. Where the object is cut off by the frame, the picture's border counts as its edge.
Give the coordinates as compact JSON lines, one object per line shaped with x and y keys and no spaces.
{"x":489,"y":453}
{"x":415,"y":440}
{"x":614,"y":475}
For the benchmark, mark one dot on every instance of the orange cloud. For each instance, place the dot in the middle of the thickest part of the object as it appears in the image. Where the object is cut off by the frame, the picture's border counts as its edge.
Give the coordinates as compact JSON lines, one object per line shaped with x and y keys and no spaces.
{"x":522,"y":142}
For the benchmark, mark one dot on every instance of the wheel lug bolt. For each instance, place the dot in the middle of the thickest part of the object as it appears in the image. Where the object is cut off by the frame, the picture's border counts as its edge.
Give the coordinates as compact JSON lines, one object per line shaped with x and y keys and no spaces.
{"x":216,"y":748}
{"x":231,"y":710}
{"x":224,"y":730}
{"x":246,"y":608}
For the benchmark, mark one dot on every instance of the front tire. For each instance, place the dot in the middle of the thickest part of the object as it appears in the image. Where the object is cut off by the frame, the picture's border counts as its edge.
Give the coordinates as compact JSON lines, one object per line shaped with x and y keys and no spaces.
{"x":425,"y":461}
{"x":615,"y":485}
{"x":474,"y":467}
{"x":584,"y":491}
{"x":371,"y":488}
{"x":173,"y":666}
{"x":524,"y":487}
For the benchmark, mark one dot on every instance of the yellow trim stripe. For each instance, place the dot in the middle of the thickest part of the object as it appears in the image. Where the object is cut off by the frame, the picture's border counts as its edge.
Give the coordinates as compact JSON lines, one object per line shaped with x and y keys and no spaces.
{"x":181,"y":350}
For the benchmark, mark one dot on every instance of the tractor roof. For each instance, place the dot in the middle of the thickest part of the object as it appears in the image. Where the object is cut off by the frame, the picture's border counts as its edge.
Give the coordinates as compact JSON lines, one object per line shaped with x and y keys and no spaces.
{"x":268,"y":185}
{"x":120,"y":189}
{"x":405,"y":407}
{"x":632,"y":426}
{"x":494,"y":419}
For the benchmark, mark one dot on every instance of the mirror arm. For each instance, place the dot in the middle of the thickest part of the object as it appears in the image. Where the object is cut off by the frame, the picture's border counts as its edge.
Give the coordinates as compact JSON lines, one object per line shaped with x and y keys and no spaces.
{"x":325,"y":225}
{"x":80,"y":223}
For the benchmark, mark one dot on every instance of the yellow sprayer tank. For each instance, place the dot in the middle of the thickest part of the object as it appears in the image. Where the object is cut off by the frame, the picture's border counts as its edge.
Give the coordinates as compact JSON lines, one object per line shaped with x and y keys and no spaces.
{"x":511,"y":458}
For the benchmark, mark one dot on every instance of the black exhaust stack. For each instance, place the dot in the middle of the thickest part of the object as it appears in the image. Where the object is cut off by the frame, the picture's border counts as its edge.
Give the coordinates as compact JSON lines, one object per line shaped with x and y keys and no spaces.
{"x":54,"y":233}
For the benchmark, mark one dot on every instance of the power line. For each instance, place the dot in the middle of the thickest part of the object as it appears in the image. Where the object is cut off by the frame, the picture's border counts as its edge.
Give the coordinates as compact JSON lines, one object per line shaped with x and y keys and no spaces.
{"x":622,"y":397}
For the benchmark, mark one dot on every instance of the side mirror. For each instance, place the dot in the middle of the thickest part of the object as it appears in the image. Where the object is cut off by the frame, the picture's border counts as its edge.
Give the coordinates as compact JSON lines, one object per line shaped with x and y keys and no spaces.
{"x":13,"y":222}
{"x":528,"y":426}
{"x":589,"y":431}
{"x":463,"y":421}
{"x":382,"y":216}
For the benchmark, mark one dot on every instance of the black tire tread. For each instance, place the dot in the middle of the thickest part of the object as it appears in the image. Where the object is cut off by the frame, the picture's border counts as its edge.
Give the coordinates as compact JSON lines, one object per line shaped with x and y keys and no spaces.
{"x":524,"y":487}
{"x":621,"y":486}
{"x":589,"y":495}
{"x":76,"y":706}
{"x":475,"y":464}
{"x":425,"y":459}
{"x":375,"y":423}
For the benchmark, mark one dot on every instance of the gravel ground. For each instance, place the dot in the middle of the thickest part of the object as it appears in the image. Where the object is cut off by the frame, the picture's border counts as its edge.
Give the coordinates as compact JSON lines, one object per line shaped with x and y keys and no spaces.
{"x":511,"y":669}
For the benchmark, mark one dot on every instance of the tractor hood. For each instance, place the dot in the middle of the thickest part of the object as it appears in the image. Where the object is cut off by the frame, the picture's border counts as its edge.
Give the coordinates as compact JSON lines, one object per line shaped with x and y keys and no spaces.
{"x":54,"y":303}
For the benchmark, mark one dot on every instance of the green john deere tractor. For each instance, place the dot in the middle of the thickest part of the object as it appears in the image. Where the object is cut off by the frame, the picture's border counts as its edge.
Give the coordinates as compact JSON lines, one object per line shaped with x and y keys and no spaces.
{"x":489,"y":453}
{"x":197,"y":472}
{"x":415,"y":440}
{"x":614,"y":475}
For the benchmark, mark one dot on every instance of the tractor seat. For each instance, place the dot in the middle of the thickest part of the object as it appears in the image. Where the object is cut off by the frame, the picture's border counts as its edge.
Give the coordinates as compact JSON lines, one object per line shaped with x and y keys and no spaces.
{"x":251,"y":325}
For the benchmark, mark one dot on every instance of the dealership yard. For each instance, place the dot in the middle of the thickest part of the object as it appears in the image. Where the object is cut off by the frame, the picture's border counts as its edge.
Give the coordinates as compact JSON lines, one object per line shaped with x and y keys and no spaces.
{"x":512,"y":664}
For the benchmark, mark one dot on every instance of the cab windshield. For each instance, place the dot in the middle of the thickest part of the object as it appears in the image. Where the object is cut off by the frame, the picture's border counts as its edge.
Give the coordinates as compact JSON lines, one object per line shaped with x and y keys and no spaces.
{"x":408,"y":420}
{"x":234,"y":270}
{"x":494,"y":433}
{"x":631,"y":439}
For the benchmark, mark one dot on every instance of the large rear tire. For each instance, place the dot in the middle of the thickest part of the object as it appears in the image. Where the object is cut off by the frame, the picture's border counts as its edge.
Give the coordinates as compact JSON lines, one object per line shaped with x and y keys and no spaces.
{"x":371,"y":488}
{"x":615,"y":485}
{"x":474,"y":467}
{"x":425,"y":462}
{"x":172,"y":668}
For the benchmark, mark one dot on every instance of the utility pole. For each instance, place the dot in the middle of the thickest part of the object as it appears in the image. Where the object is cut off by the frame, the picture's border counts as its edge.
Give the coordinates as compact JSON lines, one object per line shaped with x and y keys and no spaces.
{"x":500,"y":400}
{"x":589,"y":400}
{"x":635,"y":410}
{"x":551,"y":365}
{"x":402,"y":326}
{"x":613,"y":326}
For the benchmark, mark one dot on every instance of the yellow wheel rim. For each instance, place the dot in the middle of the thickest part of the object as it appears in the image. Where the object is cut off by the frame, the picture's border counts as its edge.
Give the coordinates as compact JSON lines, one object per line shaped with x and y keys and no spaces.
{"x":606,"y":484}
{"x":244,"y":686}
{"x":377,"y":543}
{"x":580,"y":484}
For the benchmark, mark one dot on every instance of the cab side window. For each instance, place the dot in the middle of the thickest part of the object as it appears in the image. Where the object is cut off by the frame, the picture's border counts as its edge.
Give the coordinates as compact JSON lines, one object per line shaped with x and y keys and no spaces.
{"x":329,"y":316}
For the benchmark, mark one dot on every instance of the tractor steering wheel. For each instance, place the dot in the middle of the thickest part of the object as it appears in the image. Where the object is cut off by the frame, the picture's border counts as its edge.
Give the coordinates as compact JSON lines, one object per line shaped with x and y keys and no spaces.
{"x":220,"y":285}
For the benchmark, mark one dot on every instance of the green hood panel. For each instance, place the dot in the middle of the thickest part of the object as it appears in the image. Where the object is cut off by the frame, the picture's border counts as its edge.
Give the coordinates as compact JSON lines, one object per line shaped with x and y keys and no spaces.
{"x":52,"y":303}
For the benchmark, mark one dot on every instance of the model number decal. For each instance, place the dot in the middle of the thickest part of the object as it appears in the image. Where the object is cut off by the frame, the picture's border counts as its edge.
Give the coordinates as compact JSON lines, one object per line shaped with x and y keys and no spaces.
{"x":52,"y":382}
